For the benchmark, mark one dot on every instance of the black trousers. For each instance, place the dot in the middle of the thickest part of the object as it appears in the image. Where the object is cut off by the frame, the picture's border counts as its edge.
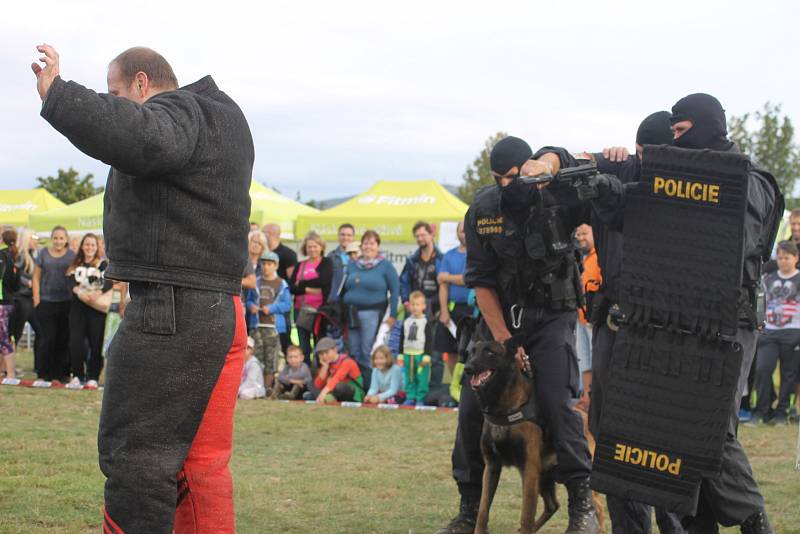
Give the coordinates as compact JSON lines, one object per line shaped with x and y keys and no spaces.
{"x":23,"y":313}
{"x":53,"y":346}
{"x":733,"y":496}
{"x":86,"y":325}
{"x":163,"y":364}
{"x":627,"y":517}
{"x":774,"y":345}
{"x":550,"y":342}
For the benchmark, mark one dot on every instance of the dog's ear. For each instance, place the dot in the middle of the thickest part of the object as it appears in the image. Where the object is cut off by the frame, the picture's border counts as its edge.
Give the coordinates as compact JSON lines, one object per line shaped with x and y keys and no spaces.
{"x":497,"y":348}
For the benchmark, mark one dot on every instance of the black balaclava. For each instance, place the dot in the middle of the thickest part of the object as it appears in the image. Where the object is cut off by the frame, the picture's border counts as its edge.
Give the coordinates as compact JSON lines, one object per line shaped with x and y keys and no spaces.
{"x":709,"y":127}
{"x":507,"y":153}
{"x":654,"y":129}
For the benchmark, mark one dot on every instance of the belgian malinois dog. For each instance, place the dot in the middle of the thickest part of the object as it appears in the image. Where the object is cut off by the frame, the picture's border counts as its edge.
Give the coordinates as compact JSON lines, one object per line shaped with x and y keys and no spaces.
{"x":508,"y":397}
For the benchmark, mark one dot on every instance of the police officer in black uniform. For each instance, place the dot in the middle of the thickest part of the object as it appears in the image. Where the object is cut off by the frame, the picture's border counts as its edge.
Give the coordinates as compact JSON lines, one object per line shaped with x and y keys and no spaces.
{"x":627,"y":517}
{"x":732,"y":497}
{"x":522,"y":265}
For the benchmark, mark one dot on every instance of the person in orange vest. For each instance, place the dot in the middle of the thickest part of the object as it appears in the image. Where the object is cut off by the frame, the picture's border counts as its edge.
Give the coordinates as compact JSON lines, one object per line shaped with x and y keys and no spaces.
{"x":591,"y":278}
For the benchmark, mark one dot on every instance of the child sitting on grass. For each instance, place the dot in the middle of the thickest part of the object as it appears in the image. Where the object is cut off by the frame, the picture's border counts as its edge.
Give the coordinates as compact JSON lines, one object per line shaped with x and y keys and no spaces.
{"x":339,"y":378}
{"x":387,"y":379}
{"x":295,"y":377}
{"x":415,"y":349}
{"x":252,"y":385}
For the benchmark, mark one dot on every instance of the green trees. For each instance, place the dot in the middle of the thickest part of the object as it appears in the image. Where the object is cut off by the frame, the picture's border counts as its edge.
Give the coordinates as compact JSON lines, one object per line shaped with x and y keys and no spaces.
{"x":767,"y":137}
{"x":479,"y":174}
{"x":68,"y":186}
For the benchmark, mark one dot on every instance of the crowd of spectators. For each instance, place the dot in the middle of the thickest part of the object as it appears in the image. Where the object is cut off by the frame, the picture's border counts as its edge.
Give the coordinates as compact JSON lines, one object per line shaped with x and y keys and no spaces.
{"x":344,"y":305}
{"x":61,"y":292}
{"x":319,"y":327}
{"x":363,"y":331}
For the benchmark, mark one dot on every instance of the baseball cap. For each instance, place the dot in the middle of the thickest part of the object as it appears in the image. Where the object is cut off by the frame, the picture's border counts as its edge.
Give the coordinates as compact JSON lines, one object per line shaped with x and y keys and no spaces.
{"x":268,"y":255}
{"x":352,"y":247}
{"x":324,"y":344}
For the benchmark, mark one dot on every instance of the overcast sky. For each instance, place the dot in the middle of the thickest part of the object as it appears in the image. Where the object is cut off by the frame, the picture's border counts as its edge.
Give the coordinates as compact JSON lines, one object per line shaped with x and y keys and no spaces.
{"x":340,"y":94}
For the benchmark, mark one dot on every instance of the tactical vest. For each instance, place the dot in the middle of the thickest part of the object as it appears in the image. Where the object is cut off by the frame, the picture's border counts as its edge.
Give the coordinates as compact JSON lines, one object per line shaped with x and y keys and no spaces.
{"x":536,"y":257}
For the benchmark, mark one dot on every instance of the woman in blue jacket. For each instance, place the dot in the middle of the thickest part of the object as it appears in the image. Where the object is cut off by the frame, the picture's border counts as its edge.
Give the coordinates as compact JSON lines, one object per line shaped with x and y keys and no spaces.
{"x":371,"y":284}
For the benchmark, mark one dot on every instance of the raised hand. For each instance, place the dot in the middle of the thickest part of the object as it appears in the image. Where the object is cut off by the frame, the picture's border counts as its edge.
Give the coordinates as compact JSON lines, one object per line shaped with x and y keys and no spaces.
{"x":46,"y":75}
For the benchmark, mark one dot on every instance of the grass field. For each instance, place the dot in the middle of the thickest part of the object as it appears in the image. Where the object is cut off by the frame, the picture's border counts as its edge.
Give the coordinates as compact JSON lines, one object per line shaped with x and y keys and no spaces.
{"x":299,"y":469}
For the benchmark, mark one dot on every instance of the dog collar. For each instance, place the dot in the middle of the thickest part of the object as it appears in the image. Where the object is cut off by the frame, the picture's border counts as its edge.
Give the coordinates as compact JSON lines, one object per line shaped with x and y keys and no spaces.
{"x":526,"y":412}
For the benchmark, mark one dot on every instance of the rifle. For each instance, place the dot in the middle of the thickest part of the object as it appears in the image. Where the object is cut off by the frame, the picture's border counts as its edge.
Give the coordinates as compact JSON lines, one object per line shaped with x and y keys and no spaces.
{"x":584,"y":178}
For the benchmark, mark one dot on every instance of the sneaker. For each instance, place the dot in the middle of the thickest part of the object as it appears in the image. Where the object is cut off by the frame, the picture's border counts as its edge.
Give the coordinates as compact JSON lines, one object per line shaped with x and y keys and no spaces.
{"x":410,"y":402}
{"x":420,"y":403}
{"x":75,"y":383}
{"x":745,"y":416}
{"x":91,"y":384}
{"x":778,"y":420}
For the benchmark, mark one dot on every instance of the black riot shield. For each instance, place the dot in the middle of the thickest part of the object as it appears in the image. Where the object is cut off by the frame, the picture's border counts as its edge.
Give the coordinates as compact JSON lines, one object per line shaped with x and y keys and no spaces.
{"x":675,"y":364}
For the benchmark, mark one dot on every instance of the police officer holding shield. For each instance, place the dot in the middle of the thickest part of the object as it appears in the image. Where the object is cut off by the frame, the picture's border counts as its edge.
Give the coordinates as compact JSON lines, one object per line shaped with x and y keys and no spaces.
{"x":521,"y":263}
{"x":732,"y":497}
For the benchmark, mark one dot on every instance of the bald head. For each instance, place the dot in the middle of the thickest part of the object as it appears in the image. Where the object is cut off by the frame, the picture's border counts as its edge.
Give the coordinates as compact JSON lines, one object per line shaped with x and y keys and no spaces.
{"x":273,"y":233}
{"x":140,"y":73}
{"x":142,"y":59}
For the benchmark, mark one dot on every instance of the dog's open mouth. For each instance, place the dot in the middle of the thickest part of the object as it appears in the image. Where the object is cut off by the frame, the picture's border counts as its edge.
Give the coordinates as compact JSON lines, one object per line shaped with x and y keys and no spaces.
{"x":479,"y":380}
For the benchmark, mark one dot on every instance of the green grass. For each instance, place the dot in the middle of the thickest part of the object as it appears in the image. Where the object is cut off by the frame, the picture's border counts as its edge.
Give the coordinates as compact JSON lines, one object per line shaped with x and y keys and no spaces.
{"x":298,"y":468}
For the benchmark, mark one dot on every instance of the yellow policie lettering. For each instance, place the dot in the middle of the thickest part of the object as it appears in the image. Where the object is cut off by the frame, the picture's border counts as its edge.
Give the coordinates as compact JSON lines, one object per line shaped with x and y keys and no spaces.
{"x":698,"y":191}
{"x":490,"y":225}
{"x":648,"y":459}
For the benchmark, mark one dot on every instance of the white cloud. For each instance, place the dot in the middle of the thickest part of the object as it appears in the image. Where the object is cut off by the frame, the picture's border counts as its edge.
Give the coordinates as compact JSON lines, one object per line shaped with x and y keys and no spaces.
{"x":339,"y":94}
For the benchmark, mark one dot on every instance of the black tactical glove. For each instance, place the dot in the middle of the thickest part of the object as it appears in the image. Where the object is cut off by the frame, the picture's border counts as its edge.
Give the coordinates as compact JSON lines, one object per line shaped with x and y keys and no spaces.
{"x":593,"y":187}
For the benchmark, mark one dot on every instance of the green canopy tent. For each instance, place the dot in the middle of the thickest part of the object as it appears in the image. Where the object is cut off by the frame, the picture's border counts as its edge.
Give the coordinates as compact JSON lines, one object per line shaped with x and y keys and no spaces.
{"x":390,"y":208}
{"x":269,"y":206}
{"x":82,"y":217}
{"x":16,"y":205}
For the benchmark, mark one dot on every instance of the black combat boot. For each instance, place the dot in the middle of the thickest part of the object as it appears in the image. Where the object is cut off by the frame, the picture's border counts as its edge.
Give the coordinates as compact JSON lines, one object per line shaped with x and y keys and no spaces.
{"x":582,"y":517}
{"x":757,"y":524}
{"x":464,"y":522}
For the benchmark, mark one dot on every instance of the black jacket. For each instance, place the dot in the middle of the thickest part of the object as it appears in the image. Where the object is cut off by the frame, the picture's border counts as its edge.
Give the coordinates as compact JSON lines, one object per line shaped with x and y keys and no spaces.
{"x":608,"y":241}
{"x":177,"y":198}
{"x":497,"y":246}
{"x":9,"y":277}
{"x":323,"y":282}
